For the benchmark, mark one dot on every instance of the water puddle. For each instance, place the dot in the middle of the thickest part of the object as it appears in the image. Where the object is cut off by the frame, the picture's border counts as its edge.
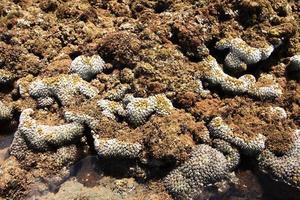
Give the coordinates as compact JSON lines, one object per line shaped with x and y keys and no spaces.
{"x":88,"y":171}
{"x":5,"y":141}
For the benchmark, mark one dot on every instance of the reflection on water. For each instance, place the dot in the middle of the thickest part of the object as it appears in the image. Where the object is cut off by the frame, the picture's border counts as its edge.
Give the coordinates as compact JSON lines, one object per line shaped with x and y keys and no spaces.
{"x":92,"y":172}
{"x":5,"y":141}
{"x":87,"y":171}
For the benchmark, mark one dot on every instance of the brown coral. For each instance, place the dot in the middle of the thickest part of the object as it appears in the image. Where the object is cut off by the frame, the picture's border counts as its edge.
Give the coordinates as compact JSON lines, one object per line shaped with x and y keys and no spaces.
{"x":171,"y":137}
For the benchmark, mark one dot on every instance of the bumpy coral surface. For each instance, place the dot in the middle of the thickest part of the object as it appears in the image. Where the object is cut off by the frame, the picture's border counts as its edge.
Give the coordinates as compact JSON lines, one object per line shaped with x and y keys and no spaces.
{"x":206,"y":165}
{"x":62,"y":87}
{"x":221,"y":130}
{"x":5,"y":111}
{"x":87,"y":67}
{"x":42,"y":137}
{"x":241,"y":54}
{"x":216,"y":76}
{"x":135,"y":109}
{"x":264,"y":88}
{"x":138,"y":110}
{"x":283,"y":168}
{"x":111,"y":108}
{"x":113,"y":148}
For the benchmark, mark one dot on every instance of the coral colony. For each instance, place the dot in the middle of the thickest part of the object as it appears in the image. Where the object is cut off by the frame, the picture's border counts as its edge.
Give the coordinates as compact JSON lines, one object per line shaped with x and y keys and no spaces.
{"x":241,"y":54}
{"x":207,"y":163}
{"x":282,"y":168}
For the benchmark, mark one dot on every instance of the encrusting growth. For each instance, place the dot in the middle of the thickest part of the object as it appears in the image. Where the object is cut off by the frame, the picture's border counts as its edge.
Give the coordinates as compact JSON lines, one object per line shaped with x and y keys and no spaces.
{"x":283,"y":168}
{"x":232,"y":154}
{"x":44,"y":137}
{"x":112,"y":148}
{"x":81,"y":118}
{"x":205,"y":166}
{"x":87,"y":67}
{"x":135,"y":109}
{"x":5,"y":111}
{"x":62,"y":87}
{"x":277,"y":112}
{"x":241,"y":54}
{"x":216,"y":76}
{"x":250,"y":146}
{"x":264,"y":88}
{"x":117,"y":93}
{"x":111,"y":109}
{"x":138,"y":110}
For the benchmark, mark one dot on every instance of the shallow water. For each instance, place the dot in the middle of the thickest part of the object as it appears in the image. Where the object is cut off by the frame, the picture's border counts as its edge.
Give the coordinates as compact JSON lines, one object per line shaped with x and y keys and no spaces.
{"x":5,"y":141}
{"x":87,"y":171}
{"x":90,"y":172}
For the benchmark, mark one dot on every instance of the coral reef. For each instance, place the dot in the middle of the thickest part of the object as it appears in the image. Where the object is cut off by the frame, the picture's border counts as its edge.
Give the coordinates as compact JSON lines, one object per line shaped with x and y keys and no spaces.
{"x":62,"y":87}
{"x":277,"y":112}
{"x":264,"y":88}
{"x":87,"y":67}
{"x":149,"y":88}
{"x":170,"y":137}
{"x":282,"y":168}
{"x":205,"y":166}
{"x":232,"y":154}
{"x":138,"y":110}
{"x":112,"y":148}
{"x":249,"y":146}
{"x":43,"y":137}
{"x":118,"y":93}
{"x":216,"y":76}
{"x":241,"y":54}
{"x":5,"y":111}
{"x":81,"y":118}
{"x":111,"y":108}
{"x":135,"y":109}
{"x":250,"y":122}
{"x":26,"y":167}
{"x":201,"y":90}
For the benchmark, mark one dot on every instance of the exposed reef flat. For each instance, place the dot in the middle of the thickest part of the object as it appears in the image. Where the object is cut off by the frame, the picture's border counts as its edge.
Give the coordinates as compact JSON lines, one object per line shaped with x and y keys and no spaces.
{"x":149,"y":99}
